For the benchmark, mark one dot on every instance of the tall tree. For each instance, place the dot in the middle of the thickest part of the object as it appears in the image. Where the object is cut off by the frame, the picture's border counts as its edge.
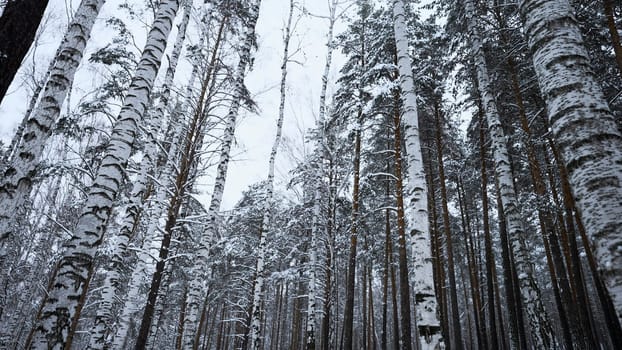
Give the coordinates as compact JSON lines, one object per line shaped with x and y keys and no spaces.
{"x":583,"y":127}
{"x":316,"y":225}
{"x":19,"y":175}
{"x":536,"y":315}
{"x":65,"y":299}
{"x":110,"y":290}
{"x":239,"y":95}
{"x":348,"y":318}
{"x":255,"y":326}
{"x":416,"y":203}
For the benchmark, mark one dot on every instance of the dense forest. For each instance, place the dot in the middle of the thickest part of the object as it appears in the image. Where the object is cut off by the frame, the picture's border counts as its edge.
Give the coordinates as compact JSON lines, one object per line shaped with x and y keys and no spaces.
{"x":461,"y":187}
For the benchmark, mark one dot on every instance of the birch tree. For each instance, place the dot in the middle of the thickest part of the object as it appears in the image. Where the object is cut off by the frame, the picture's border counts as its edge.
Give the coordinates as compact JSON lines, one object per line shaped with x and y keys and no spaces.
{"x":416,"y":195}
{"x":583,"y":127}
{"x":195,"y":293}
{"x":536,"y":315}
{"x":18,"y":176}
{"x":317,"y":194}
{"x":110,"y":290}
{"x":65,"y":299}
{"x":255,"y":325}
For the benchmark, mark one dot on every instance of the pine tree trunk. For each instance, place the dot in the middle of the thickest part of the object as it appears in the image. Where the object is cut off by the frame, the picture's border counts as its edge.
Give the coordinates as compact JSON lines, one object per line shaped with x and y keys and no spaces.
{"x":584,"y":130}
{"x":613,"y":32}
{"x":490,"y":259}
{"x":417,"y":207}
{"x":453,"y":295}
{"x":348,"y":317}
{"x":536,"y":315}
{"x":18,"y":177}
{"x":18,"y":27}
{"x":440,"y":283}
{"x":480,"y":340}
{"x":198,"y":273}
{"x":202,"y":255}
{"x":184,"y":169}
{"x":62,"y":305}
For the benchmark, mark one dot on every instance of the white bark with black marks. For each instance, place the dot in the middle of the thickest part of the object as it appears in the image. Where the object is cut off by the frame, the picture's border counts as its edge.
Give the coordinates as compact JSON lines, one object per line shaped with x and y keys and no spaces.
{"x":541,"y":336}
{"x":416,"y":196}
{"x":115,"y":268}
{"x":66,"y":296}
{"x":255,"y":326}
{"x":18,"y":175}
{"x":584,"y":130}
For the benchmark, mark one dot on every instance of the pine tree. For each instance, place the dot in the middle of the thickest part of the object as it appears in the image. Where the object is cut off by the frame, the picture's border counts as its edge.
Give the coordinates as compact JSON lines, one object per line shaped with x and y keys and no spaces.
{"x":239,"y":95}
{"x":536,"y":316}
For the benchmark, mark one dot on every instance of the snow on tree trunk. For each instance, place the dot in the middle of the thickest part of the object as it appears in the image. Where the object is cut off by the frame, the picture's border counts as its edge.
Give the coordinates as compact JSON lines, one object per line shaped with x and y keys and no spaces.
{"x":416,"y":205}
{"x":64,"y":302}
{"x":317,"y":205}
{"x":584,"y":129}
{"x":18,"y":176}
{"x":115,"y":267}
{"x":255,"y":326}
{"x":153,"y":237}
{"x":535,"y":312}
{"x":198,"y":273}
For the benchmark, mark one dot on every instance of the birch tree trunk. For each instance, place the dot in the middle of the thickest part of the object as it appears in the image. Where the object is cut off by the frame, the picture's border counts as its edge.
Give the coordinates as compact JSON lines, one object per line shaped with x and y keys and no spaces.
{"x":144,"y":263}
{"x":255,"y":326}
{"x":115,"y":267}
{"x":536,"y":315}
{"x":18,"y":176}
{"x":416,"y":194}
{"x":317,"y":205}
{"x":584,"y":129}
{"x":195,"y":293}
{"x":64,"y":302}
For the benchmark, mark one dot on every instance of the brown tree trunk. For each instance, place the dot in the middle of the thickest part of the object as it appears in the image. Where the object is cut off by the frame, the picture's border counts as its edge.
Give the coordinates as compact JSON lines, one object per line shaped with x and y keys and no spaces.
{"x":437,"y":255}
{"x":456,"y":329}
{"x":613,"y":32}
{"x":479,"y":322}
{"x":348,"y":317}
{"x":180,"y":323}
{"x":490,"y":259}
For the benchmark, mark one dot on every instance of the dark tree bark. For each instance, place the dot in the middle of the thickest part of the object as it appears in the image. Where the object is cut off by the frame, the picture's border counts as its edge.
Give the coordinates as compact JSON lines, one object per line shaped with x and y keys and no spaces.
{"x":456,"y":329}
{"x":613,"y":32}
{"x":18,"y":27}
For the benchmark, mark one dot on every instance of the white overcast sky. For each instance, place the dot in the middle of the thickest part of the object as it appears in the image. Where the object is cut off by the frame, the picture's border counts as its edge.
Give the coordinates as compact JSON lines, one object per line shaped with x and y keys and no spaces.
{"x":255,"y":132}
